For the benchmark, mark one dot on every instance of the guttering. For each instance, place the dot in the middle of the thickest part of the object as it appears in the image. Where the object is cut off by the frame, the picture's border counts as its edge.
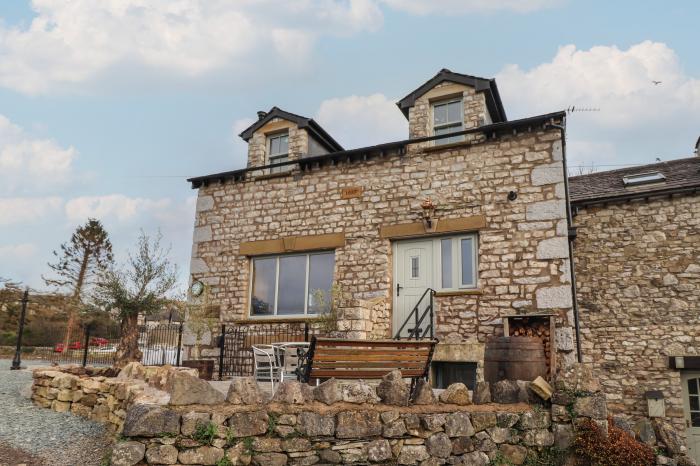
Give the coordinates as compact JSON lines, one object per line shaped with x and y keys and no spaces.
{"x":363,"y":153}
{"x":572,"y":237}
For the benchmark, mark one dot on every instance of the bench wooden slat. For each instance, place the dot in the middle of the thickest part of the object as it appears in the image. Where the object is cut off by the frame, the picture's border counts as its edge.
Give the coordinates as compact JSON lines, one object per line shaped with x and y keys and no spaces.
{"x":378,"y":374}
{"x":322,"y":342}
{"x":397,"y":365}
{"x":370,"y":357}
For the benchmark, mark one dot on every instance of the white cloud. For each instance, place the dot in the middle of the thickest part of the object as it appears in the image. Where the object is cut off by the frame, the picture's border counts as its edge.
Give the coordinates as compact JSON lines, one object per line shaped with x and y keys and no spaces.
{"x":24,"y":210}
{"x":31,"y":164}
{"x":632,"y":110}
{"x":357,"y":121}
{"x":449,"y":7}
{"x":113,"y":206}
{"x":73,"y":42}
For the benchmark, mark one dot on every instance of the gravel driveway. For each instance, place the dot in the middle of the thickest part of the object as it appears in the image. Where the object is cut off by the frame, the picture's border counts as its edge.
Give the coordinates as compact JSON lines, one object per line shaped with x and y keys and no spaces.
{"x":40,"y":437}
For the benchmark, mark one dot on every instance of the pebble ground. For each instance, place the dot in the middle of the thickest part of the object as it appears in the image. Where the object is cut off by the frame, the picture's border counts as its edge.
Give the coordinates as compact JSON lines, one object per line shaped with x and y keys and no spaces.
{"x":35,"y":436}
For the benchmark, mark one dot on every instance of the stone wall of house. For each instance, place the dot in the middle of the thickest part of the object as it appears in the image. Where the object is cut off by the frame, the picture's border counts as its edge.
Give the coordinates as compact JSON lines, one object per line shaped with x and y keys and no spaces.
{"x":257,"y":145}
{"x":523,"y":255}
{"x":638,"y":277}
{"x":420,"y":119}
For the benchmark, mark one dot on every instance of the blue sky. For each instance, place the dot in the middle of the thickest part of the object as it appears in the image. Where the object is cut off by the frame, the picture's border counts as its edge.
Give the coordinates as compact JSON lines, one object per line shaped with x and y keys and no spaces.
{"x":106,"y":107}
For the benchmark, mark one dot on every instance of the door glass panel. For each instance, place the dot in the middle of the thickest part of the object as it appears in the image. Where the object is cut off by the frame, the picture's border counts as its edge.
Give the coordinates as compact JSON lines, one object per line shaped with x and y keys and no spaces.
{"x":320,"y":282}
{"x":446,"y":260}
{"x":415,"y":271}
{"x":291,"y":285}
{"x":263,"y":300}
{"x":467,"y":251}
{"x":693,"y":386}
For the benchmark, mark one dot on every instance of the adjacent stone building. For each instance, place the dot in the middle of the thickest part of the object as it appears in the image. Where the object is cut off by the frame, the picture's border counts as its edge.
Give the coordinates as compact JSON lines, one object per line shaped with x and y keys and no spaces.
{"x":637,"y":258}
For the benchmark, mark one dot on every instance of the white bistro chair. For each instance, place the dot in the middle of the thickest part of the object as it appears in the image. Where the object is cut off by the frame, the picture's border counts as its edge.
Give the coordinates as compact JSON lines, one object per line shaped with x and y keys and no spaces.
{"x":265,"y":367}
{"x":288,"y":359}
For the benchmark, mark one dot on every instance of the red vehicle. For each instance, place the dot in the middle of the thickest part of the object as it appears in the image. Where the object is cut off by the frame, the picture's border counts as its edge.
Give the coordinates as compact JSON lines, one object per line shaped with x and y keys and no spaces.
{"x":97,"y":341}
{"x":75,"y":345}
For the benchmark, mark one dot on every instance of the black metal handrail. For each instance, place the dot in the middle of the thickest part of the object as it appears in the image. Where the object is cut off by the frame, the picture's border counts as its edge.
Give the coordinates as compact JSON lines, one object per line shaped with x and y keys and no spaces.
{"x":418,"y":319}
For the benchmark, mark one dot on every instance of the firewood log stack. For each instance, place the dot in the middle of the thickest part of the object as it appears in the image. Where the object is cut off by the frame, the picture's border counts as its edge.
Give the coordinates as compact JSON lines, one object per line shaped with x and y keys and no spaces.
{"x":533,"y":327}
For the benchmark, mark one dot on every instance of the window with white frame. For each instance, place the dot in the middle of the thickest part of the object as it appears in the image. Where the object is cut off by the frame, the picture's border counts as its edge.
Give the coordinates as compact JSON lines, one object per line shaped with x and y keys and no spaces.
{"x":448,"y":117}
{"x":291,"y":284}
{"x":278,"y":150}
{"x":458,"y":262}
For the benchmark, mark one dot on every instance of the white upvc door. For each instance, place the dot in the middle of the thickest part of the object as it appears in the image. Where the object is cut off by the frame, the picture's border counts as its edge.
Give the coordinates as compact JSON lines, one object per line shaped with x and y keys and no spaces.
{"x":690,"y":382}
{"x":414,"y":272}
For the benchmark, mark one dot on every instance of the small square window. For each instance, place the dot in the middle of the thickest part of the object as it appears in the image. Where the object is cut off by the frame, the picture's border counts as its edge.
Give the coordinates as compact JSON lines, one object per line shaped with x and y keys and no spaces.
{"x":448,"y":118}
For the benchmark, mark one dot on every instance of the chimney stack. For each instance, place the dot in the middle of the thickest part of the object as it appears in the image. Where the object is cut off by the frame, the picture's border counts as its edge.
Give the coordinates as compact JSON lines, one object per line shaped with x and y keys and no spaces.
{"x":261,"y":115}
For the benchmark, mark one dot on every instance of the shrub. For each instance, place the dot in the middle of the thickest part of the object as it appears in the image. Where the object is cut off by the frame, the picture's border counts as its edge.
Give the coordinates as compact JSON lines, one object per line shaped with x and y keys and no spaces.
{"x":617,"y":449}
{"x":205,"y":432}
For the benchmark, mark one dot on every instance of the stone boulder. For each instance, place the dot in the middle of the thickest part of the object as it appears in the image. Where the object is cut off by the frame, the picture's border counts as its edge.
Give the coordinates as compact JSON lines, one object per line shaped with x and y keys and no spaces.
{"x":248,"y":424}
{"x":505,"y":392}
{"x":513,"y":454}
{"x":667,"y":435}
{"x":456,"y":394}
{"x":245,"y":391}
{"x":358,"y":424}
{"x":201,"y":455}
{"x":150,"y":421}
{"x":315,"y":424}
{"x":378,"y":451}
{"x":483,"y":421}
{"x":413,"y":454}
{"x":161,"y":454}
{"x":482,"y":393}
{"x":392,"y":390}
{"x":577,"y":377}
{"x":270,"y":459}
{"x":593,"y":406}
{"x":328,"y":392}
{"x":127,"y":453}
{"x":359,"y":392}
{"x":423,"y":394}
{"x":459,"y":425}
{"x":644,"y":430}
{"x":439,"y":445}
{"x":476,"y":458}
{"x":186,"y":389}
{"x":191,"y":420}
{"x":293,"y":393}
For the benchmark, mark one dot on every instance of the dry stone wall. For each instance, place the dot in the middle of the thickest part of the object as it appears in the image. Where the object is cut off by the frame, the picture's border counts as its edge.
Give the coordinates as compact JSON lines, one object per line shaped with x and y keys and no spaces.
{"x":640,"y":304}
{"x":523,"y":260}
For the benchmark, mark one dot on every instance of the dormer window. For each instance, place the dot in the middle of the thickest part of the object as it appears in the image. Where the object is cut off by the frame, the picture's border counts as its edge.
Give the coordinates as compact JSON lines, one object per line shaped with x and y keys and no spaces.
{"x":448,"y":117}
{"x":643,"y":178}
{"x":278,"y":150}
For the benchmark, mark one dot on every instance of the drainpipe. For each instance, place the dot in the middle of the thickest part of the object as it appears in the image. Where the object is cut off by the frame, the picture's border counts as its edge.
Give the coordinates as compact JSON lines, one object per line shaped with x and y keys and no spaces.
{"x":572,"y":237}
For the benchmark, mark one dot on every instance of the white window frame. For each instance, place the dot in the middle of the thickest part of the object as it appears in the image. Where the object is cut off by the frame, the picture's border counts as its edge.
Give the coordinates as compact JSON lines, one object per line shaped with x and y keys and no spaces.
{"x":279,"y":157}
{"x":251,"y":283}
{"x":457,"y":279}
{"x":447,"y":124}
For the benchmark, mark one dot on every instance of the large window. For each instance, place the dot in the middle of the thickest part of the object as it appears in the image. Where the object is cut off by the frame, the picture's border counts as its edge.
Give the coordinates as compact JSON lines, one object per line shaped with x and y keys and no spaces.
{"x":458,"y":264}
{"x":278,"y":150}
{"x":294,"y":284}
{"x":448,"y":117}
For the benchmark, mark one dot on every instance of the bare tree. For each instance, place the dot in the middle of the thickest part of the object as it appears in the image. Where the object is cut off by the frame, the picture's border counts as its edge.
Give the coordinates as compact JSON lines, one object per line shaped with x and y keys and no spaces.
{"x":88,"y":253}
{"x":142,"y":287}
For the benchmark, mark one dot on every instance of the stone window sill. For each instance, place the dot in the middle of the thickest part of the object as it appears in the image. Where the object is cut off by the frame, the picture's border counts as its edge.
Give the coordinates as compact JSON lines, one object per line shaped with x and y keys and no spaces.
{"x":477,"y":292}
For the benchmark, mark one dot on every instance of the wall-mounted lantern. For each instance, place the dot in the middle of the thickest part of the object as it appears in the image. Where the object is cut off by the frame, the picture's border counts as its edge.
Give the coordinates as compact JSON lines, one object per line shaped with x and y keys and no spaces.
{"x":428,"y":213}
{"x":655,"y":403}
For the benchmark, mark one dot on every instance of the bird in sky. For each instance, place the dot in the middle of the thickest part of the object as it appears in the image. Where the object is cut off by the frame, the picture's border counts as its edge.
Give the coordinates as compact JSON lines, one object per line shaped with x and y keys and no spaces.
{"x":656,"y":83}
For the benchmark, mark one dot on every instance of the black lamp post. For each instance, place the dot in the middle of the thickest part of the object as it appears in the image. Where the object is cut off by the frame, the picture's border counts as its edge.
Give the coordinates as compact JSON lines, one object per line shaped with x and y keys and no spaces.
{"x":17,"y":359}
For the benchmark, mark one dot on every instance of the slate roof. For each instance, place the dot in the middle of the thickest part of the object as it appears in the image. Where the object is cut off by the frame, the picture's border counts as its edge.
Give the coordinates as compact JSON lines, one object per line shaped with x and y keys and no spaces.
{"x":488,"y":86}
{"x":681,"y":175}
{"x":314,"y":128}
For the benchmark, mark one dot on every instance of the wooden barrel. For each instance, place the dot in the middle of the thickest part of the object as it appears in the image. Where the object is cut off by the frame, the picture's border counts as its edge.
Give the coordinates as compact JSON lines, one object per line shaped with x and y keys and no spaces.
{"x":514,"y":358}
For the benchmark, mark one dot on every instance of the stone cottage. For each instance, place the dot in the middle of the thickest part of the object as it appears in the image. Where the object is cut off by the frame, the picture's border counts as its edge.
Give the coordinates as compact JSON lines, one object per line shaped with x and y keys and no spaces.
{"x":472,"y":205}
{"x":472,"y":213}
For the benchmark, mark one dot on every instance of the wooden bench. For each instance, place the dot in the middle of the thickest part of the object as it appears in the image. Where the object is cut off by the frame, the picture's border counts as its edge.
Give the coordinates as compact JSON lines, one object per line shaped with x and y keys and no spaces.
{"x":365,"y":359}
